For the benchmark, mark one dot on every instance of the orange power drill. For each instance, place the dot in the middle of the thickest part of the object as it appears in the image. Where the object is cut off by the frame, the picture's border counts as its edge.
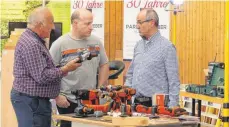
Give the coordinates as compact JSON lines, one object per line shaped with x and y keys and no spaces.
{"x":104,"y":108}
{"x":176,"y":111}
{"x":87,"y":96}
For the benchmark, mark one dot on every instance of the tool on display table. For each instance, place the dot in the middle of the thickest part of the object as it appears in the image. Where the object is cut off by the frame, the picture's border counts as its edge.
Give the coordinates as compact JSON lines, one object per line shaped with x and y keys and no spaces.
{"x":120,"y":98}
{"x":110,"y":88}
{"x":82,"y":110}
{"x":83,"y":54}
{"x":160,"y":106}
{"x":176,"y":111}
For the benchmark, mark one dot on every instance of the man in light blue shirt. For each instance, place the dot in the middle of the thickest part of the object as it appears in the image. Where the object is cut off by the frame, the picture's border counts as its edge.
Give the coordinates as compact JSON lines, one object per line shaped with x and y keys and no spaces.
{"x":154,"y":68}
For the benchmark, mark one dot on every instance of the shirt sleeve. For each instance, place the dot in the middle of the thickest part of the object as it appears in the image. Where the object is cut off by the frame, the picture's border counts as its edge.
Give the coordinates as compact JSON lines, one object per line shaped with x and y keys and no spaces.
{"x":103,"y":55}
{"x":129,"y":75}
{"x":171,"y":66}
{"x":36,"y":61}
{"x":130,"y":72}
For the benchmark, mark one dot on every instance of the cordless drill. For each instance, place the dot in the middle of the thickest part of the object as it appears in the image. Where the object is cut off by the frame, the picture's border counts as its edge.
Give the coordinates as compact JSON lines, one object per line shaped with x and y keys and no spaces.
{"x":92,"y":95}
{"x":83,"y":54}
{"x":82,"y":110}
{"x":121,"y":99}
{"x":176,"y":111}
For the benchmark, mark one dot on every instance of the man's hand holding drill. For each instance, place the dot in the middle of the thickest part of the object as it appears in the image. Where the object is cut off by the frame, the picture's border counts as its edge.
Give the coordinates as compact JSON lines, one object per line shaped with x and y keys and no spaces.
{"x":70,"y":66}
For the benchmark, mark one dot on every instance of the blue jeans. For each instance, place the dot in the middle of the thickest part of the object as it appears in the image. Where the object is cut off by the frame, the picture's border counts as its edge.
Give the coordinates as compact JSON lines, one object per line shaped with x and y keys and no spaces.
{"x":31,"y":111}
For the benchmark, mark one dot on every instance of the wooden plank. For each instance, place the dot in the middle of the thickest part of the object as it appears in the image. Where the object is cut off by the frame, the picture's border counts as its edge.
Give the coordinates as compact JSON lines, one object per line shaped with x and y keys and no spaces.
{"x":195,"y":34}
{"x":112,"y":32}
{"x":119,"y":25}
{"x":204,"y":37}
{"x":130,"y":121}
{"x":107,"y":28}
{"x":211,"y":25}
{"x":222,"y":22}
{"x":202,"y":97}
{"x":164,"y":121}
{"x":112,"y":29}
{"x":85,"y":120}
{"x":198,"y":48}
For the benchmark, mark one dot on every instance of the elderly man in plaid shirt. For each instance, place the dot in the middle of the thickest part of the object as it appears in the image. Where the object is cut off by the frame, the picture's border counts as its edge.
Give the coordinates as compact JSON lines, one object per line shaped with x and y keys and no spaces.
{"x":36,"y":78}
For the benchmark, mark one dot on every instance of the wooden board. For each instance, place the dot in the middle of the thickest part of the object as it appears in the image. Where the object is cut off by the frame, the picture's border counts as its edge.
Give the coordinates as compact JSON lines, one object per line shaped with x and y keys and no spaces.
{"x":120,"y":121}
{"x":202,"y":97}
{"x":163,"y":121}
{"x":86,"y":120}
{"x":130,"y":121}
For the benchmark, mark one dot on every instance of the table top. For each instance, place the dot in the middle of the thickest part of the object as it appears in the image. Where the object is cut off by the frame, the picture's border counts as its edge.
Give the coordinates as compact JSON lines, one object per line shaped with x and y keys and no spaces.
{"x":108,"y":123}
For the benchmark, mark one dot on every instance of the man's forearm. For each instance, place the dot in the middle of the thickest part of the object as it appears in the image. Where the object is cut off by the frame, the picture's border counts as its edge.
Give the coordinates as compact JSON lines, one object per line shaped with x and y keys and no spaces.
{"x":103,"y":74}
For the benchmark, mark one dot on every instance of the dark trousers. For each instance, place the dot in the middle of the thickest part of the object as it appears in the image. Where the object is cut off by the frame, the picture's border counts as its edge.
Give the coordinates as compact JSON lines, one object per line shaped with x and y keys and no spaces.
{"x":68,"y":110}
{"x":31,"y":111}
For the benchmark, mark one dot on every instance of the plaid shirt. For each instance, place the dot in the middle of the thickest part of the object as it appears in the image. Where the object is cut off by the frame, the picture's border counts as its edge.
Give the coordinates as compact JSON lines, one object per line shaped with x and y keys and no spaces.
{"x":34,"y":71}
{"x":154,"y":69}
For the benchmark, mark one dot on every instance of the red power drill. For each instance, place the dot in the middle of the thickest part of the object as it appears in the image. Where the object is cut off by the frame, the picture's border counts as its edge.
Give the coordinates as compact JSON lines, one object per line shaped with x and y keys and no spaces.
{"x":121,"y":99}
{"x":176,"y":111}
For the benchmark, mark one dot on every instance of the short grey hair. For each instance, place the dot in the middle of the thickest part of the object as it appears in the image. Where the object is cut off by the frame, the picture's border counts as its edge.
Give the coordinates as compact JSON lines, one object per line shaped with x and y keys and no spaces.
{"x":152,"y":14}
{"x":75,"y":15}
{"x":37,"y":16}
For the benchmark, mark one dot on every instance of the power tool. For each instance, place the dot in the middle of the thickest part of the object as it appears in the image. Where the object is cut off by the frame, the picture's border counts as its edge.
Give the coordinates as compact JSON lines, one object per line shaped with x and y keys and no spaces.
{"x":82,"y":53}
{"x":122,"y":100}
{"x":89,"y":96}
{"x":121,"y":97}
{"x":160,"y":106}
{"x":110,"y":88}
{"x":82,"y":110}
{"x":176,"y":111}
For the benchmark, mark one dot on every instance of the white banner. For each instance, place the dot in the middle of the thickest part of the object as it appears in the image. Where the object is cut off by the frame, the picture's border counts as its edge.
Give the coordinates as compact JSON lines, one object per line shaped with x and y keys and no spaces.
{"x":131,"y":34}
{"x":97,"y":9}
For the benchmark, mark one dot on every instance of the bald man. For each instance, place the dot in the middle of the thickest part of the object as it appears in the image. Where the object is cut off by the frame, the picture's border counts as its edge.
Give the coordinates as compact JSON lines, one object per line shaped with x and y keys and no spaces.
{"x":36,"y":78}
{"x":154,"y":67}
{"x":85,"y":76}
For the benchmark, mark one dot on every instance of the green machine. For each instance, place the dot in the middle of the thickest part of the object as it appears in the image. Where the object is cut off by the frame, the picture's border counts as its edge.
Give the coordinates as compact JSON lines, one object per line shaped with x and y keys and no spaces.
{"x":215,"y":82}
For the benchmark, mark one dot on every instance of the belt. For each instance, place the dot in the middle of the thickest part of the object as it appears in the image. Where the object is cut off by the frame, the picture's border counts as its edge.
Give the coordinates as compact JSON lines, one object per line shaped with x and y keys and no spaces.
{"x":24,"y":94}
{"x":143,"y":99}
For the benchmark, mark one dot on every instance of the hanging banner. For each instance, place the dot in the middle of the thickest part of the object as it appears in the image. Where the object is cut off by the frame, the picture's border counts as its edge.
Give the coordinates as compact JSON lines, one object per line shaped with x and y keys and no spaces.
{"x":131,"y":10}
{"x":97,"y":9}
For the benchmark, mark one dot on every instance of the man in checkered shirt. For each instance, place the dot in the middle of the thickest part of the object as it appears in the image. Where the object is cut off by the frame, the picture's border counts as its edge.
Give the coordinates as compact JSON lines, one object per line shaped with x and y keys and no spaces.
{"x":36,"y":79}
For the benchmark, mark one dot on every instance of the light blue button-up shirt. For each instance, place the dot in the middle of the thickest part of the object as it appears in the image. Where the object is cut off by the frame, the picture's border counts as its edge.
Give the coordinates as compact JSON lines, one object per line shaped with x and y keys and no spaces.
{"x":154,"y":69}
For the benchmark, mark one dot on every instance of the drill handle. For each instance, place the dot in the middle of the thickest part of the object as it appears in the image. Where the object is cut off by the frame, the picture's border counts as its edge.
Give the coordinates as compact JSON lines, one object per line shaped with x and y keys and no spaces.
{"x":80,"y":59}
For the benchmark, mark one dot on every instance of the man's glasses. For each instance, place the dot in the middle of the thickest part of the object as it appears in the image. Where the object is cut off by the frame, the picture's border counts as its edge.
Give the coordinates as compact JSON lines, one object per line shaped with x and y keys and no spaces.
{"x":141,"y":22}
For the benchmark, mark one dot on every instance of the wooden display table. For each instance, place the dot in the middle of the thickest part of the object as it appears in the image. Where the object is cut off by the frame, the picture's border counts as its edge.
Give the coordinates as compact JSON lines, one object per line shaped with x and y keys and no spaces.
{"x":122,"y":121}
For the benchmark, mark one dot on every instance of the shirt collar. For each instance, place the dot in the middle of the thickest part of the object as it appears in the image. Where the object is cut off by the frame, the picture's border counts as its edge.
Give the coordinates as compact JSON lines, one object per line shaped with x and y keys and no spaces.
{"x":35,"y":35}
{"x":153,"y":37}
